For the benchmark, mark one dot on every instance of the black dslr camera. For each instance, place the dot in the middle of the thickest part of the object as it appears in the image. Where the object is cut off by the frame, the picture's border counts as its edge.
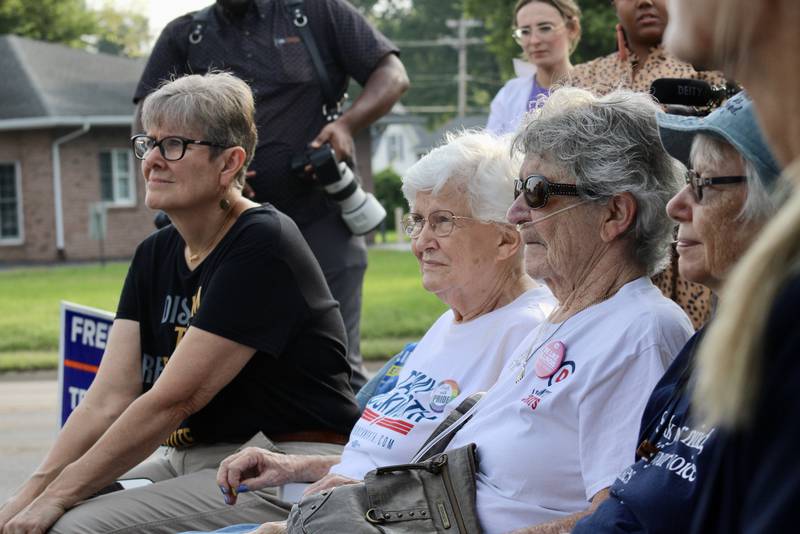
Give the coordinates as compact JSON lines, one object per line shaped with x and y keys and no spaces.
{"x":361,"y":211}
{"x":317,"y":165}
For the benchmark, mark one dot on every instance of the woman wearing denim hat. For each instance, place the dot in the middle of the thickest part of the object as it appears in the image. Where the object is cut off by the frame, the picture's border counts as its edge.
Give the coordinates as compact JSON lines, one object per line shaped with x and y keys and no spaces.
{"x":748,"y":370}
{"x":724,"y":205}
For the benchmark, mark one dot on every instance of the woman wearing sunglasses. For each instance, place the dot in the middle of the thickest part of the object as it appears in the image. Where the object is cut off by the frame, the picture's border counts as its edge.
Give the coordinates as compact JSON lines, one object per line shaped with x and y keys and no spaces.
{"x":726,"y":202}
{"x":560,"y":423}
{"x":225,"y":331}
{"x":548,"y":31}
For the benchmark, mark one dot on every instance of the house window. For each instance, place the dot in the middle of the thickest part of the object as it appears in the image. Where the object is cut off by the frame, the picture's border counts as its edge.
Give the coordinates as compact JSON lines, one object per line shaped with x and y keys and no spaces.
{"x":10,"y":204}
{"x":394,"y":147}
{"x":116,"y":177}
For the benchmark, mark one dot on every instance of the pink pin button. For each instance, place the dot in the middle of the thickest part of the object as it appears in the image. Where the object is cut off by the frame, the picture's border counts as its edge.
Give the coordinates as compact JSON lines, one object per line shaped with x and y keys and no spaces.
{"x":550,"y":359}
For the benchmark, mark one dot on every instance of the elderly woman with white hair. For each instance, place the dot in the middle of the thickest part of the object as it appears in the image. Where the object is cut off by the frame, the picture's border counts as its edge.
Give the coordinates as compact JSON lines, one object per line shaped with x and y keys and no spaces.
{"x":470,"y":258}
{"x":561,"y":421}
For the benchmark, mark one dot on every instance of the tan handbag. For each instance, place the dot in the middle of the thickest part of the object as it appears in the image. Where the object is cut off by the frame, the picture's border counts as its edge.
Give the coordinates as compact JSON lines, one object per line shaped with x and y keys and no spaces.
{"x":431,"y":496}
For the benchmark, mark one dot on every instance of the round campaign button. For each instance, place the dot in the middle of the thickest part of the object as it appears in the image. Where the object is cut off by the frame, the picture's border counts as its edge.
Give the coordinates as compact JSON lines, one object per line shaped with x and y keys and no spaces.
{"x":443,"y":393}
{"x":550,"y":359}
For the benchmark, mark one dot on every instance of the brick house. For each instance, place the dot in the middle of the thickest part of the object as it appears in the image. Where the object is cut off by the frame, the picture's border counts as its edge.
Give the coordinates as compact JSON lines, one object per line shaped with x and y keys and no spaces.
{"x":65,"y":118}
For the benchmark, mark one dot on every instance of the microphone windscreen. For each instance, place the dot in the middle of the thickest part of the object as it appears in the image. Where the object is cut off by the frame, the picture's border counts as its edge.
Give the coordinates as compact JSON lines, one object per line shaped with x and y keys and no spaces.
{"x":683,"y":92}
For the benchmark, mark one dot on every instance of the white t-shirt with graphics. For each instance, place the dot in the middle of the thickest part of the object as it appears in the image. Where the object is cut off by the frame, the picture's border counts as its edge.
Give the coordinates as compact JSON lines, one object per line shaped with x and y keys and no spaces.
{"x":451,"y":361}
{"x":546,"y":446}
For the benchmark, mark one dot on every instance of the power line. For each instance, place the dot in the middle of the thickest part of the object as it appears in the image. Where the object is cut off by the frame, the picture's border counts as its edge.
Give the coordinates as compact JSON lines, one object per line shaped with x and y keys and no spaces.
{"x":460,"y":43}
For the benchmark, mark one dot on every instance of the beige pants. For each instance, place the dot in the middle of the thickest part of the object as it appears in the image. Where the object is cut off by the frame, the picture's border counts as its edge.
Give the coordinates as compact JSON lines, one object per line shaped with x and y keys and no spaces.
{"x":184,"y":496}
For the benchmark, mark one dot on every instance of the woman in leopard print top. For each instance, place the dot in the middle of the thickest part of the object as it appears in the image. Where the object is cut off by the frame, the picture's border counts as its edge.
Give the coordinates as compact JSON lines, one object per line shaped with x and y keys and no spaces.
{"x":640,"y":60}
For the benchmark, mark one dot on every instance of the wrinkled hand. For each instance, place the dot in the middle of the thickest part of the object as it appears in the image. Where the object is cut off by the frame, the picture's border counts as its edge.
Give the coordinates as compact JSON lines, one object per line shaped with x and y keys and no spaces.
{"x":271,"y":528}
{"x":340,"y":137}
{"x":253,"y":468}
{"x":10,"y":508}
{"x":327,"y":482}
{"x":37,"y":518}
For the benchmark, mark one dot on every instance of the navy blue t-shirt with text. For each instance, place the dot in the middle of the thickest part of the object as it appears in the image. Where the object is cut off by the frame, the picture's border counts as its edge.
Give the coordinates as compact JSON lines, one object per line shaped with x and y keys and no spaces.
{"x":659,"y":496}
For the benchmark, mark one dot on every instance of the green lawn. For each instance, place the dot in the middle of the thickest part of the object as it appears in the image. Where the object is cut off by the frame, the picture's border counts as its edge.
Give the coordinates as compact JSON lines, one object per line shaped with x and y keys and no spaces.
{"x":396,"y":309}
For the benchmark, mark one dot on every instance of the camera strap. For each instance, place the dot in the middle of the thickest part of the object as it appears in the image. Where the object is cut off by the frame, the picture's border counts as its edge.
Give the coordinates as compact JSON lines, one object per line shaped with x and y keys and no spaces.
{"x":332,"y":106}
{"x":200,"y":20}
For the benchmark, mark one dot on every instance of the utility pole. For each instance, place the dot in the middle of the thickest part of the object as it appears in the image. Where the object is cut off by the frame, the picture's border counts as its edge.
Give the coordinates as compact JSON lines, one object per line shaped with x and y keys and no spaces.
{"x":461,"y":45}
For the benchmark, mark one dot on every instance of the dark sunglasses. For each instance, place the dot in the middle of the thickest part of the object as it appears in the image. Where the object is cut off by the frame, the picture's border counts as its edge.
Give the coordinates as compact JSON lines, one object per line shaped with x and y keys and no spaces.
{"x":538,"y":190}
{"x":697,"y":183}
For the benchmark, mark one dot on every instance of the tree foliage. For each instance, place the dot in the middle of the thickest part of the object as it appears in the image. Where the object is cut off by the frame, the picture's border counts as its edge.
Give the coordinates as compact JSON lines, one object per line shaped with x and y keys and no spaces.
{"x":122,"y":32}
{"x":72,"y":22}
{"x":433,"y":69}
{"x":59,"y":21}
{"x":388,"y":191}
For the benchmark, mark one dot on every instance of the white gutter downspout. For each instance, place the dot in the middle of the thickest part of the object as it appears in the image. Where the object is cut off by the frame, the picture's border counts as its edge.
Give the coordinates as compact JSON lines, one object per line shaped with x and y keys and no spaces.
{"x":57,"y":185}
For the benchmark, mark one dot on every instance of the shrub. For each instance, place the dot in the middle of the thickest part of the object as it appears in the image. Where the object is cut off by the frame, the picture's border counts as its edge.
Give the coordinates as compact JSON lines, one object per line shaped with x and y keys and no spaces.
{"x":388,"y":192}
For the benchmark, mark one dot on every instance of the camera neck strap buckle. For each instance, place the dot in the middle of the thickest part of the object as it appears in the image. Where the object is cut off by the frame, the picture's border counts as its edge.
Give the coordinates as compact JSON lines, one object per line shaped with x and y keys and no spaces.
{"x":331,"y":106}
{"x":333,"y":113}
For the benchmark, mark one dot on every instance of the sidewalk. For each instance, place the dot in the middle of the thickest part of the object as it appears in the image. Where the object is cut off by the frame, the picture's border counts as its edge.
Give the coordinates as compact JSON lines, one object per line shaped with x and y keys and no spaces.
{"x":29,"y":423}
{"x":404,"y":246}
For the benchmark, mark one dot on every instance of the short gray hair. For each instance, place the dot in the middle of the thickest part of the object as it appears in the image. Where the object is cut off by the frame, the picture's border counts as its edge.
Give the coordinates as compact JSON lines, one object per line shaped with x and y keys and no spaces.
{"x":611,"y":145}
{"x":478,"y":163}
{"x":217,"y":105}
{"x":712,"y":150}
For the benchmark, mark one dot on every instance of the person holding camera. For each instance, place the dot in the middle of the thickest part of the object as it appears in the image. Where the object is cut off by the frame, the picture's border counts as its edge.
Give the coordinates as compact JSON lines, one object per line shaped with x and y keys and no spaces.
{"x":297,"y":56}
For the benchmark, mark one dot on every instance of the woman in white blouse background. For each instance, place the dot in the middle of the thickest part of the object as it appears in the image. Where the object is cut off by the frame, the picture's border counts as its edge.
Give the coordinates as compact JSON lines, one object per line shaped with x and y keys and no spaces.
{"x":548,"y":31}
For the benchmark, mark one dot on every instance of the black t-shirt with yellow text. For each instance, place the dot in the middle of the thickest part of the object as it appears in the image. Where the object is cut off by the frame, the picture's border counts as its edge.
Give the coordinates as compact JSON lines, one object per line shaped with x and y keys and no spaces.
{"x":260,"y":287}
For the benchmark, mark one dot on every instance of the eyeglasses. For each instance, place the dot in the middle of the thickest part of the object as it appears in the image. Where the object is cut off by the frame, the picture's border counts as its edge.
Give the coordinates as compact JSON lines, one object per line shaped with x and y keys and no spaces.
{"x":697,"y":183}
{"x":441,"y":223}
{"x":539,"y":189}
{"x":172,"y":148}
{"x":542,"y":31}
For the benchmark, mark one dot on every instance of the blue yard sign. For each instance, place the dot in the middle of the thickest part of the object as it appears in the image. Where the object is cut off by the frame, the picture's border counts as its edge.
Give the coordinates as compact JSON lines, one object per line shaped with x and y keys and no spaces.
{"x":84,"y":334}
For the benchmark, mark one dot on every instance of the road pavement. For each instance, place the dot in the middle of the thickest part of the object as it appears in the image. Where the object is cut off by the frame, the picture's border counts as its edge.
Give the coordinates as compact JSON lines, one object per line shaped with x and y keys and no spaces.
{"x":29,"y":422}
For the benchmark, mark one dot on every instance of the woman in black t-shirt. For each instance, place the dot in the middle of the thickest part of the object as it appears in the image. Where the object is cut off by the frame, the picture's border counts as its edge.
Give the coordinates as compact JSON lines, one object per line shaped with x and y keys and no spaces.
{"x":225,"y":329}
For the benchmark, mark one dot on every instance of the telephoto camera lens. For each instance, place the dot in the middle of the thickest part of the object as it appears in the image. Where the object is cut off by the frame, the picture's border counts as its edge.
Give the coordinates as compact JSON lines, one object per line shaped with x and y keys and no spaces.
{"x":361,"y":211}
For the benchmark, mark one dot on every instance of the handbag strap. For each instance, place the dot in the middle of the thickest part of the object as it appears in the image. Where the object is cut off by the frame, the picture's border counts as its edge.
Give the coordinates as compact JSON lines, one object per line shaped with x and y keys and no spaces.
{"x":332,"y":106}
{"x":443,"y":434}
